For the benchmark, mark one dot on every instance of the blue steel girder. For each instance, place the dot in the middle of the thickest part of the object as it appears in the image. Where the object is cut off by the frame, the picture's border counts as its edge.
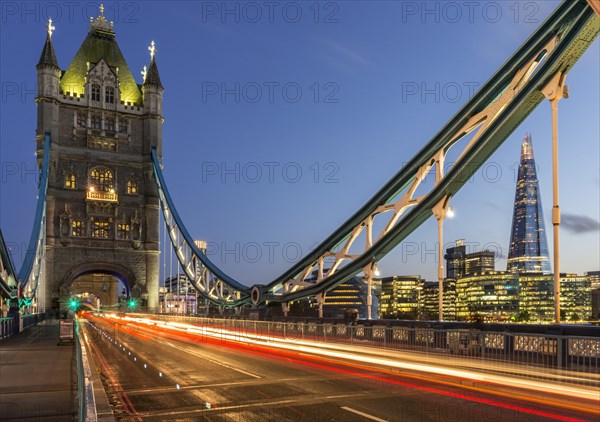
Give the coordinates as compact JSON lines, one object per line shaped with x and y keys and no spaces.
{"x":491,"y":115}
{"x":29,"y":273}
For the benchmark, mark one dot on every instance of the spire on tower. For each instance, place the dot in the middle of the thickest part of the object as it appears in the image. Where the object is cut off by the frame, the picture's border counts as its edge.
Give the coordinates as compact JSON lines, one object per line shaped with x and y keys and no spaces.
{"x":48,"y":56}
{"x":152,"y":77}
{"x":50,"y":27}
{"x":100,"y":23}
{"x":152,"y":49}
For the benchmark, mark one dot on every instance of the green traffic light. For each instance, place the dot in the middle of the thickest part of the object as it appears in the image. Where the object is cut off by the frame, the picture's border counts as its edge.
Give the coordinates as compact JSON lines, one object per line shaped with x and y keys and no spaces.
{"x":73,"y":303}
{"x":132,"y":303}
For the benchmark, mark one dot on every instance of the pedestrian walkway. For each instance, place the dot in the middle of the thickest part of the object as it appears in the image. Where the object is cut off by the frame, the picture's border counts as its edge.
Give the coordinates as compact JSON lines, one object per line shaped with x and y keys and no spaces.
{"x":38,"y":378}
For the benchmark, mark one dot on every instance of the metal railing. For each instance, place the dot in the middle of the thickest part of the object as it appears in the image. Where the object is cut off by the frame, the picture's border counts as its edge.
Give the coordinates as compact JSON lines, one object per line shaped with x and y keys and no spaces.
{"x":85,"y":387}
{"x":10,"y":325}
{"x":570,"y":359}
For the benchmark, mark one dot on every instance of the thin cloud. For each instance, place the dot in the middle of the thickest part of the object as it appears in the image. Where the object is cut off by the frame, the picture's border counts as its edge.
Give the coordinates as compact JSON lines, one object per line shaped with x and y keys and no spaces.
{"x":344,"y":56}
{"x":579,"y":224}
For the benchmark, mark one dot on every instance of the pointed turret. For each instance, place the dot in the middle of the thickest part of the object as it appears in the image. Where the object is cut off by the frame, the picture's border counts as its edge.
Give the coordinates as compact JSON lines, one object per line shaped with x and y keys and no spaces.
{"x":48,"y":83}
{"x":152,"y":91}
{"x":152,"y":77}
{"x":152,"y":87}
{"x":48,"y":57}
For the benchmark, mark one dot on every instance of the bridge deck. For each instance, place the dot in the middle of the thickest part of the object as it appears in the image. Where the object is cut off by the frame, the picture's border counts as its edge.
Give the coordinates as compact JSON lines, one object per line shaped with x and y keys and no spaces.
{"x":38,"y":379}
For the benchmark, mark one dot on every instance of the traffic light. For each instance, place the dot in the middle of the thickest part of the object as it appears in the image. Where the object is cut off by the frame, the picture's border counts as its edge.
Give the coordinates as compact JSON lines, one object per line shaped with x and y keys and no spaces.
{"x":74,"y":304}
{"x":131,"y":303}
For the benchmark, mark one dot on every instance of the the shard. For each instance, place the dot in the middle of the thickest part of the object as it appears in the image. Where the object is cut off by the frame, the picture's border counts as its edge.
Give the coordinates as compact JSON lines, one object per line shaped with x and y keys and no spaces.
{"x":528,"y":244}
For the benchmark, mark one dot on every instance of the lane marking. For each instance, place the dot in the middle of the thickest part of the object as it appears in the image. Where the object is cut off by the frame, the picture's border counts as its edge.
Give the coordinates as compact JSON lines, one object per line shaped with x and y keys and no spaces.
{"x":283,"y":402}
{"x":248,"y":383}
{"x":364,"y":415}
{"x":200,"y":355}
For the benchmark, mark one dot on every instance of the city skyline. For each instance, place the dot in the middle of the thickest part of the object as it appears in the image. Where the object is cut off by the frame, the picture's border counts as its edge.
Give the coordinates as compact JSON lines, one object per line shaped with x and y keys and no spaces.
{"x":379,"y":113}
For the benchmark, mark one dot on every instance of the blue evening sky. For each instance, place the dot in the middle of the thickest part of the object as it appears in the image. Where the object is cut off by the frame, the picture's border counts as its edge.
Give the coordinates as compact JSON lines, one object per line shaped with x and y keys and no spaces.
{"x":282,"y":118}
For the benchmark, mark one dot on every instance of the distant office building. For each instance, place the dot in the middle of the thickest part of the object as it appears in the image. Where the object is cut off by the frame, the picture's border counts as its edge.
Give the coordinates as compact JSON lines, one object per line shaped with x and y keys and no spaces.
{"x":429,"y":302}
{"x":449,"y":300}
{"x":400,"y":296}
{"x":480,"y":262}
{"x":491,"y":296}
{"x":347,"y":296}
{"x":455,"y":260}
{"x":528,"y":252}
{"x":594,"y":279}
{"x":460,"y":264}
{"x":575,"y":297}
{"x":537,"y":297}
{"x":177,"y":295}
{"x":596,"y":304}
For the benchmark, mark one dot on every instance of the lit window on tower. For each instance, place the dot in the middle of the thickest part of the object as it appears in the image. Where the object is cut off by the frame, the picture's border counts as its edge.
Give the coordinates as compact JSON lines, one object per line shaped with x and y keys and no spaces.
{"x":101,"y":229}
{"x":77,"y":228}
{"x":123,"y":231}
{"x":132,"y":188}
{"x":101,"y":179}
{"x":70,"y":181}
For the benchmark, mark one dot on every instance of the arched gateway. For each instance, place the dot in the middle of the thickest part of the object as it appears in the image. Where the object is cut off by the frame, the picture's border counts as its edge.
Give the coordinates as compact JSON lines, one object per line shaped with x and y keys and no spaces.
{"x":102,"y":204}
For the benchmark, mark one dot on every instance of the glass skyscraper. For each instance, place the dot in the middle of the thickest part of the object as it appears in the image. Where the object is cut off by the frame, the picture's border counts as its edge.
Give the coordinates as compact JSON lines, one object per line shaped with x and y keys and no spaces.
{"x":528,"y":244}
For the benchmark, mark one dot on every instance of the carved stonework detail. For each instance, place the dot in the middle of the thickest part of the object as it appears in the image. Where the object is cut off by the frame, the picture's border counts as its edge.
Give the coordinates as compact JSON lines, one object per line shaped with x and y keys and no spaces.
{"x":136,"y":231}
{"x":64,"y":222}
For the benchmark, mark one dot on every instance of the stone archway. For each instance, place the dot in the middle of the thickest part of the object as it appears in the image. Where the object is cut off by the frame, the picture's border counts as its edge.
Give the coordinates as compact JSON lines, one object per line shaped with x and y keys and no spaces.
{"x":101,"y":280}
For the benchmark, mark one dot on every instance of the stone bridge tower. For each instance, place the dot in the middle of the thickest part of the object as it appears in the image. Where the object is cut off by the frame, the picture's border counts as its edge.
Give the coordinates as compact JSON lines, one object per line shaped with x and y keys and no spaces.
{"x":102,"y":203}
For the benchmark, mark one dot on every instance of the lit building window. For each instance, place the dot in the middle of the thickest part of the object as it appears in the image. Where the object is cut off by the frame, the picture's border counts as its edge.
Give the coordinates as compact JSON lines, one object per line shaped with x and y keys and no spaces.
{"x":101,"y":179}
{"x":81,"y":120}
{"x":70,"y":181}
{"x":96,"y":122}
{"x":123,"y":231}
{"x":122,"y":126}
{"x":109,"y":124}
{"x":101,"y":229}
{"x":132,"y":188}
{"x":77,"y":228}
{"x":109,"y":95}
{"x":95,"y":92}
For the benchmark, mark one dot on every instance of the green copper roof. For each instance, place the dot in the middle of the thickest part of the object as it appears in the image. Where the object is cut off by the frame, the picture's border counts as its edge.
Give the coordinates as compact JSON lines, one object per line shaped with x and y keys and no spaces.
{"x":100,"y":45}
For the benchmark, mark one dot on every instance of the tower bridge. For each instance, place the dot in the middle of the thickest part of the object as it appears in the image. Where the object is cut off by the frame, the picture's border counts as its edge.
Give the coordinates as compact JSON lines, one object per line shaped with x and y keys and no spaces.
{"x":104,"y":200}
{"x":105,"y":220}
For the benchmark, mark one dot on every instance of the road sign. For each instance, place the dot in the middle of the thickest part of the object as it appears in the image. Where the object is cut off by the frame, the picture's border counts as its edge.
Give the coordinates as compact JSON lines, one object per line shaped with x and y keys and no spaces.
{"x":66,"y":330}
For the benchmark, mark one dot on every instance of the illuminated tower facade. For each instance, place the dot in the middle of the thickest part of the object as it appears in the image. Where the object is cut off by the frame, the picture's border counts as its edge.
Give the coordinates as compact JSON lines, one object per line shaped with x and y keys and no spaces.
{"x":528,"y":244}
{"x":102,"y":204}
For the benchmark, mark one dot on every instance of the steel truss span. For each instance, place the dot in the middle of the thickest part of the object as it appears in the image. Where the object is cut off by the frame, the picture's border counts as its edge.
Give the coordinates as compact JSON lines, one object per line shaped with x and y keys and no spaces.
{"x":484,"y":123}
